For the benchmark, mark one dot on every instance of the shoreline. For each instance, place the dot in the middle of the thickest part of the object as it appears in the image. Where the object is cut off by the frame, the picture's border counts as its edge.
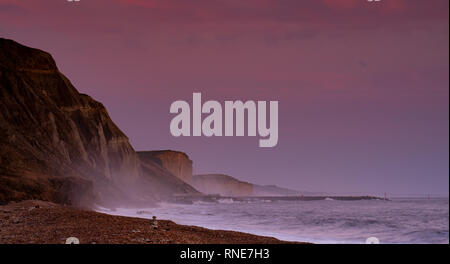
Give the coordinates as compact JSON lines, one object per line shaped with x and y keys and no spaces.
{"x":189,"y":199}
{"x":39,"y":222}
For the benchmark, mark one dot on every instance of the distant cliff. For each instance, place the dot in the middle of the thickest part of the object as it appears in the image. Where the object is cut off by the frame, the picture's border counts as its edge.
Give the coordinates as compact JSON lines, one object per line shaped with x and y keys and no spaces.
{"x":273,"y":190}
{"x":169,"y":170}
{"x":229,"y":186}
{"x":178,"y":163}
{"x":59,"y":145}
{"x":221,"y":184}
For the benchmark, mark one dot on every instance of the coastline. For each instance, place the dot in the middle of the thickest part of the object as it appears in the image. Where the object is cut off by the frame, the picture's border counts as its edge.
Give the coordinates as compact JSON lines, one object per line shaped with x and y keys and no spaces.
{"x":39,"y":222}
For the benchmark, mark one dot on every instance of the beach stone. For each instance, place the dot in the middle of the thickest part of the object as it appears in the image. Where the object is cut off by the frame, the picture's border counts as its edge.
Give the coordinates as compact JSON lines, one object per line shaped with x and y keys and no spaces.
{"x":15,"y":220}
{"x":154,"y":223}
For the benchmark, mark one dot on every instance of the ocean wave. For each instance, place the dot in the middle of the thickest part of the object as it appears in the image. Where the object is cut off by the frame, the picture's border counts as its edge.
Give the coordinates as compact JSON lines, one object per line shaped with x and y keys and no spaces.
{"x":226,"y":201}
{"x":402,"y":221}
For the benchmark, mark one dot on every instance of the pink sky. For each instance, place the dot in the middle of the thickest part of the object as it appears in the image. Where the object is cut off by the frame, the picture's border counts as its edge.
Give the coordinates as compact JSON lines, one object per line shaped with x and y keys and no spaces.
{"x":362,"y":87}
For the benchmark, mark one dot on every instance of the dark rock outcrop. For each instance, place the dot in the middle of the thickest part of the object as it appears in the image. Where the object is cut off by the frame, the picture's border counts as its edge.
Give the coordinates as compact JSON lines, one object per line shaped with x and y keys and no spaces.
{"x":59,"y":145}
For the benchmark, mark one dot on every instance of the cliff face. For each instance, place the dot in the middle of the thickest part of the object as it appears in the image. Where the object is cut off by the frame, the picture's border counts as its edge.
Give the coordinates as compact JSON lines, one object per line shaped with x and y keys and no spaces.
{"x":221,"y":184}
{"x":59,"y":145}
{"x":178,"y":163}
{"x":164,"y":178}
{"x":228,"y":186}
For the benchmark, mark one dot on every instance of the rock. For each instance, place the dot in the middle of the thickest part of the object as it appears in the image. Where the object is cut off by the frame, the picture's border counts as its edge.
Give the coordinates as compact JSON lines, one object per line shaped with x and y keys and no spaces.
{"x":15,"y":220}
{"x":59,"y":145}
{"x":64,"y":141}
{"x":154,"y":223}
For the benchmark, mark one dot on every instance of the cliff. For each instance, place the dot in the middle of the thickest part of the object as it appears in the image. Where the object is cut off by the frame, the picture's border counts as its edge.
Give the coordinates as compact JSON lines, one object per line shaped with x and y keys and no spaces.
{"x":59,"y":145}
{"x":221,"y":184}
{"x":178,"y":163}
{"x":165,"y":174}
{"x":273,"y":190}
{"x":228,"y":186}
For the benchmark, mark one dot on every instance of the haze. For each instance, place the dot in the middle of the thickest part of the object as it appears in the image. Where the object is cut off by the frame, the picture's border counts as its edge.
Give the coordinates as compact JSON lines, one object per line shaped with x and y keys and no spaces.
{"x":363,"y":87}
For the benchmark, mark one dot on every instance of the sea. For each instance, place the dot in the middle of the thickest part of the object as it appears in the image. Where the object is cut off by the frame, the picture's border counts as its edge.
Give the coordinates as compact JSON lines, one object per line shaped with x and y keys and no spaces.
{"x":328,"y":221}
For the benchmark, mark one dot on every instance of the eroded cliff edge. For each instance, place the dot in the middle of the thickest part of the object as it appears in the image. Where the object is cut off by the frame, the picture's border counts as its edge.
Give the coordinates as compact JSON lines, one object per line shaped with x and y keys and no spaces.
{"x":59,"y":145}
{"x":178,"y":163}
